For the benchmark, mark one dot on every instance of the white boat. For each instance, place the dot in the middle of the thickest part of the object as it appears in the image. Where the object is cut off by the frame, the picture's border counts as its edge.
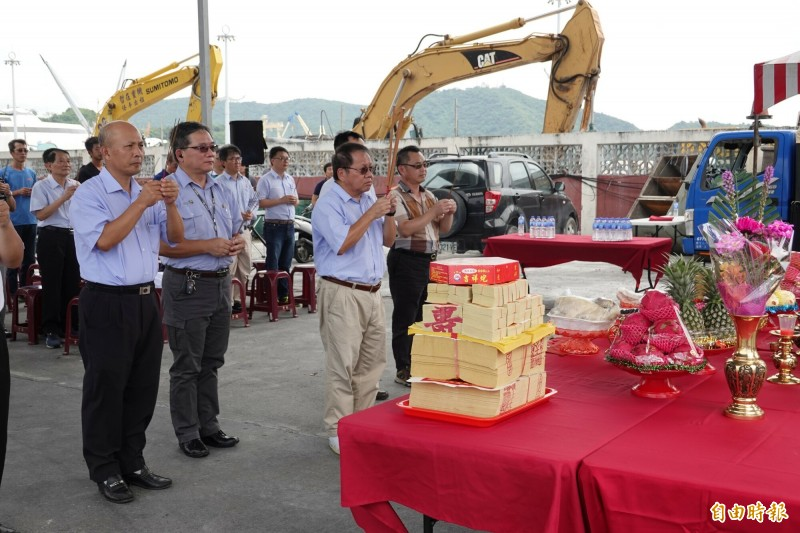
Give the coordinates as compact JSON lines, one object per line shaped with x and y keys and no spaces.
{"x":38,"y":133}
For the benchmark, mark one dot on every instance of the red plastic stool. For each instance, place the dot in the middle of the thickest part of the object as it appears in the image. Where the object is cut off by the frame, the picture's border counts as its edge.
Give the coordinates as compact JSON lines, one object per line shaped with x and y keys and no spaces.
{"x":264,"y":293}
{"x":242,"y":298}
{"x":308,"y":297}
{"x":69,"y":338}
{"x":32,"y":296}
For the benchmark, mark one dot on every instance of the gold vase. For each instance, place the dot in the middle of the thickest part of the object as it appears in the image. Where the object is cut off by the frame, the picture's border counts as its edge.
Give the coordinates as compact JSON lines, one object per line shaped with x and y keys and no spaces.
{"x":745,"y":371}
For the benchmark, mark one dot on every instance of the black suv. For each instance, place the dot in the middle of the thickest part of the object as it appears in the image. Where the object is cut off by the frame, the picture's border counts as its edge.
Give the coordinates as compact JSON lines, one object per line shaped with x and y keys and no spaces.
{"x":491,"y":191}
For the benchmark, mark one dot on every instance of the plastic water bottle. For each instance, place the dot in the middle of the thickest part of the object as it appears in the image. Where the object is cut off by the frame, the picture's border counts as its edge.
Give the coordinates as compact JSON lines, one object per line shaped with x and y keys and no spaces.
{"x":530,"y":227}
{"x":521,"y":225}
{"x":596,"y":230}
{"x":628,"y":229}
{"x":673,"y":212}
{"x":551,"y":227}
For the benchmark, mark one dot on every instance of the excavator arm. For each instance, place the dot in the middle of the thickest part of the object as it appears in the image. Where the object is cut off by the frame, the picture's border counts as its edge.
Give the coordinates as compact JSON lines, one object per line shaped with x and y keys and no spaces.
{"x":141,"y":93}
{"x":575,"y":57}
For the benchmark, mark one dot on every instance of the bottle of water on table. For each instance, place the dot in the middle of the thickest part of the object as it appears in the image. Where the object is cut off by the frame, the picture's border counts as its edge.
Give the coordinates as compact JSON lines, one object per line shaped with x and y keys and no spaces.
{"x":531,"y":233}
{"x":521,"y":225}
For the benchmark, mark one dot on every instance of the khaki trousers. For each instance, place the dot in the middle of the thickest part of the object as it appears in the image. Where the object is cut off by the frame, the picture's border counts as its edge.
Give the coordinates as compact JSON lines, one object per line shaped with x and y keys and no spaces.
{"x":241,"y":266}
{"x":353,"y":330}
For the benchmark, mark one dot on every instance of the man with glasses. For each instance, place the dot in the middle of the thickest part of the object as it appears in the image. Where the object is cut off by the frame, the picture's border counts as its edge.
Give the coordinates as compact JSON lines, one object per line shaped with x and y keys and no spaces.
{"x":58,"y":264}
{"x":277,"y":194}
{"x":21,"y":180}
{"x":196,"y":291}
{"x":420,"y":219}
{"x":350,"y":229}
{"x":240,"y":188}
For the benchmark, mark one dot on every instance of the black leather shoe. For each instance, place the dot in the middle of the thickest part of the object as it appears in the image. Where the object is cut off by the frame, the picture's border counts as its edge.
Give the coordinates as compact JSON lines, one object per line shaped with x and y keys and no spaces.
{"x":147,"y":479}
{"x":382,"y":395}
{"x":114,"y":489}
{"x":220,"y":440}
{"x":194,"y":449}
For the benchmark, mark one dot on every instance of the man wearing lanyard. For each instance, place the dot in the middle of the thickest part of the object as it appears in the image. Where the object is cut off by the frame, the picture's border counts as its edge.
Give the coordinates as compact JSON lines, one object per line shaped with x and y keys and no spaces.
{"x":118,"y":227}
{"x":350,"y":228}
{"x":21,"y":179}
{"x":277,"y":194}
{"x":55,"y":247}
{"x":196,"y":291}
{"x":246,"y":200}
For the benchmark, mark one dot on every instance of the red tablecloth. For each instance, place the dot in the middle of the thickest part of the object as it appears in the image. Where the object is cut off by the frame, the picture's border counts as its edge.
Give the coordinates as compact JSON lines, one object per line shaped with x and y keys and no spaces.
{"x":634,"y":256}
{"x":520,"y":475}
{"x":666,"y":473}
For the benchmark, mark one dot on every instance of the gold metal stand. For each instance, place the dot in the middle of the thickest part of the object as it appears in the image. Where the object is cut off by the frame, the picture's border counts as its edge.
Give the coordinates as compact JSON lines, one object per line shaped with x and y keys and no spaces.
{"x":745,"y":371}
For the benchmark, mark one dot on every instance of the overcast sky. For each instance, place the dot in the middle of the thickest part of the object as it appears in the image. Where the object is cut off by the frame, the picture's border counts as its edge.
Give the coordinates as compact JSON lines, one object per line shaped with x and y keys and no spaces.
{"x":662,"y":62}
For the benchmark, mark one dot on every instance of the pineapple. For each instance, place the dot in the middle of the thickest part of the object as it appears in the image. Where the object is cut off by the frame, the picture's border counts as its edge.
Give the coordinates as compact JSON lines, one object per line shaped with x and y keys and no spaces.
{"x":680,"y":275}
{"x":716,"y":318}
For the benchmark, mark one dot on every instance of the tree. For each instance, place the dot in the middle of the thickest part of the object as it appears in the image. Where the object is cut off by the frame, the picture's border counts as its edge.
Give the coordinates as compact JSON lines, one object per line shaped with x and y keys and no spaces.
{"x":69,"y":116}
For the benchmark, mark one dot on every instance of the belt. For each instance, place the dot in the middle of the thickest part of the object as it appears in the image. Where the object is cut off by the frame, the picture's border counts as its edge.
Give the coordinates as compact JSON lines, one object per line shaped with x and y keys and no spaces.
{"x":353,"y":285}
{"x":57,"y":229}
{"x":424,"y":255}
{"x":141,"y":289}
{"x":281,"y":222}
{"x":221,"y":273}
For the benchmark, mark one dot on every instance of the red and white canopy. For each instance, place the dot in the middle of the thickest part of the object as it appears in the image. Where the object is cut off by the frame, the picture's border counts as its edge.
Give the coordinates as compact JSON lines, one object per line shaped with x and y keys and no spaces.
{"x":775,"y":81}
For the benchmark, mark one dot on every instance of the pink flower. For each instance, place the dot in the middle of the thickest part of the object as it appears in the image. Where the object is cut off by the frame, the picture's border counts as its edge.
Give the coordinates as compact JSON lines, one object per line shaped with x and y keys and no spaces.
{"x":749,"y":225}
{"x":728,"y":184}
{"x":730,"y":243}
{"x":779,"y":229}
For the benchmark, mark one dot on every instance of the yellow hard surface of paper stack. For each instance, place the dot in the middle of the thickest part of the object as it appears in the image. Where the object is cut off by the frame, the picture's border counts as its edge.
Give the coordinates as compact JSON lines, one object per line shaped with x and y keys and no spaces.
{"x":470,"y":400}
{"x":481,"y":353}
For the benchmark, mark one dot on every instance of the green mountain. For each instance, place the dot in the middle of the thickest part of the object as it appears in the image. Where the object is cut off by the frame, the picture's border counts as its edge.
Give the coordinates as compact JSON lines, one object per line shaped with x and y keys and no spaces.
{"x":510,"y":113}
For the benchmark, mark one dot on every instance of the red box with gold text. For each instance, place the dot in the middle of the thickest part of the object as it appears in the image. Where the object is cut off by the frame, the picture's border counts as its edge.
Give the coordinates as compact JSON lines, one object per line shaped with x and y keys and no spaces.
{"x":474,"y":271}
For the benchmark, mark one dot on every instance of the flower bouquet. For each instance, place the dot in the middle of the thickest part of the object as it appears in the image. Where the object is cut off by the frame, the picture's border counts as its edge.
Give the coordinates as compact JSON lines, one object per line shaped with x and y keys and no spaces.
{"x":747,"y":243}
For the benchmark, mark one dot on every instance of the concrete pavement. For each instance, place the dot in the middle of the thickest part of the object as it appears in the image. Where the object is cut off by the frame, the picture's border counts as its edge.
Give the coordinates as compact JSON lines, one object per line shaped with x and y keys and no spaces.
{"x":281,"y":477}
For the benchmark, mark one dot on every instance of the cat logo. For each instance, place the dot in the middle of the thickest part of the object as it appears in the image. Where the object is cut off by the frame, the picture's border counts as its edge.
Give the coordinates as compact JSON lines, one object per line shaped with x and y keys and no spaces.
{"x":486,"y":60}
{"x":481,"y":59}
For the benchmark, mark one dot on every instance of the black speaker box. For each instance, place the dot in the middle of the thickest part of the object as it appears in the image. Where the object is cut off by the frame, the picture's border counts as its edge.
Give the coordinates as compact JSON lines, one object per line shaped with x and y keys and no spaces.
{"x":248,"y":136}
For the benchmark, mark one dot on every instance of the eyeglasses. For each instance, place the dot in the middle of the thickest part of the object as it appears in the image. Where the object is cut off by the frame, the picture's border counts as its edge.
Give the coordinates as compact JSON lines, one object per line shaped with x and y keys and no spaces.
{"x":363,"y":170}
{"x":234,"y":159}
{"x":21,"y":150}
{"x":204,"y":148}
{"x":416,"y":166}
{"x":282,"y":158}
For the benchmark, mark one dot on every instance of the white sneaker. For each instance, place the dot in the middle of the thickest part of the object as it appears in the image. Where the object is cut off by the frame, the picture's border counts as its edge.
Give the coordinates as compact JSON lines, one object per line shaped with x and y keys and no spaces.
{"x":333,"y":443}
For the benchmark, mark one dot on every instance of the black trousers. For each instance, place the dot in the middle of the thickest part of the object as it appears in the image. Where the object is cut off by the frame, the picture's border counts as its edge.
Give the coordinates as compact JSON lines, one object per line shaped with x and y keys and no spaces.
{"x":61,"y":277}
{"x":17,"y":276}
{"x":408,"y":283}
{"x":120,"y":344}
{"x":5,"y":392}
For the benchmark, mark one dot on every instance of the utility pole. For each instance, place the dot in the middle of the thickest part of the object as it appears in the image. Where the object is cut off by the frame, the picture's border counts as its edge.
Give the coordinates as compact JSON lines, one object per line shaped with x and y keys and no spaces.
{"x":12,"y":61}
{"x":225,"y":37}
{"x":205,"y":63}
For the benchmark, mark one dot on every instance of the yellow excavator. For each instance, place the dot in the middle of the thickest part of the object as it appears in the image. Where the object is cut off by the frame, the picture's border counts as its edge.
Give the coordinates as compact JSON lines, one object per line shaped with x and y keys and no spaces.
{"x":574,"y":53}
{"x":135,"y":95}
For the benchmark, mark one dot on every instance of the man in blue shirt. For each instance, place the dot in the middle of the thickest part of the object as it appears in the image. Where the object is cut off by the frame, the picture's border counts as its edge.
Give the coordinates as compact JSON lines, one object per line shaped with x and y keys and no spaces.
{"x":277,"y":194}
{"x":350,"y":229}
{"x":196,"y":290}
{"x":58,"y":264}
{"x":247,"y":201}
{"x":21,"y":180}
{"x":118,"y":227}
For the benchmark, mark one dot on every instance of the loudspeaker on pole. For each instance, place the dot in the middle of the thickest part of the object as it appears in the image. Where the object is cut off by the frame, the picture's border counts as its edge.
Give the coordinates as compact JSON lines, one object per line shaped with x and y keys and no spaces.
{"x":248,"y":136}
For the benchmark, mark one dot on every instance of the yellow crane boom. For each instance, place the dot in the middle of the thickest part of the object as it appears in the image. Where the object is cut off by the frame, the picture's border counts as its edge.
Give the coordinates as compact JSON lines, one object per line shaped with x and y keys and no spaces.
{"x":574,"y":53}
{"x":136,"y":95}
